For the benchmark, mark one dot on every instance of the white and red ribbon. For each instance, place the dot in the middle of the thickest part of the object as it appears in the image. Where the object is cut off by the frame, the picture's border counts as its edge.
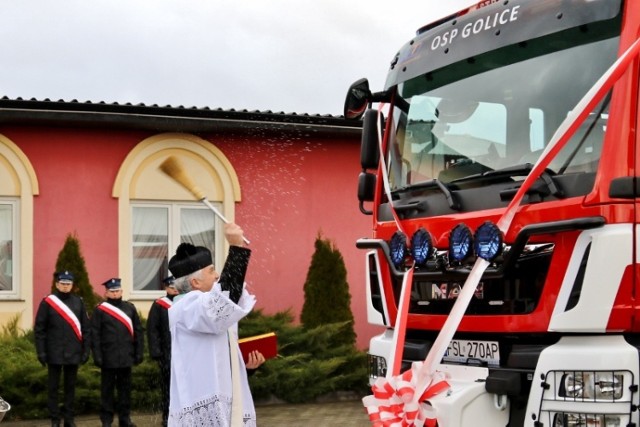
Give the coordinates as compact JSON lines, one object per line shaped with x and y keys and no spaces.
{"x":394,"y":402}
{"x":117,"y":314}
{"x":398,"y":400}
{"x":65,"y":312}
{"x":395,"y":363}
{"x":164,"y":302}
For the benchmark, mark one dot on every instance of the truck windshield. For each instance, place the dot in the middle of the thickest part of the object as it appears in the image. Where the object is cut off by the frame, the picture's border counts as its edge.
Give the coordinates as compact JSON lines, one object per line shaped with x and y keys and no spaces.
{"x":498,"y":110}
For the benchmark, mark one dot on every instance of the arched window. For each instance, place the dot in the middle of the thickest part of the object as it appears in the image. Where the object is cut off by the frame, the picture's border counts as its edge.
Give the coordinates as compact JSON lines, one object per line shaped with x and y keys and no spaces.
{"x":18,"y":186}
{"x":156,"y":214}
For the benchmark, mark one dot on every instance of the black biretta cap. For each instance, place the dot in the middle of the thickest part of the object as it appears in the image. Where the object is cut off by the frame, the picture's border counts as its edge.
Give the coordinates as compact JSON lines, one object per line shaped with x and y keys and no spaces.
{"x":189,"y":259}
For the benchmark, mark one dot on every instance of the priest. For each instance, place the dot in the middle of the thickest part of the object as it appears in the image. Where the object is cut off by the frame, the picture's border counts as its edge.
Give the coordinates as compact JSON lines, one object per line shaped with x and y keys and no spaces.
{"x":209,"y":385}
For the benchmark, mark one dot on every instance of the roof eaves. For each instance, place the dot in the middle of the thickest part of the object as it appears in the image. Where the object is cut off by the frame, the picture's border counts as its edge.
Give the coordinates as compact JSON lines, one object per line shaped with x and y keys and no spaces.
{"x":142,"y":116}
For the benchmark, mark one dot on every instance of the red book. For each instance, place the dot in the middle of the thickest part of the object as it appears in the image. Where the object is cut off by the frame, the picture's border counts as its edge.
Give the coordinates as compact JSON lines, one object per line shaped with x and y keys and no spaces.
{"x":267,"y":344}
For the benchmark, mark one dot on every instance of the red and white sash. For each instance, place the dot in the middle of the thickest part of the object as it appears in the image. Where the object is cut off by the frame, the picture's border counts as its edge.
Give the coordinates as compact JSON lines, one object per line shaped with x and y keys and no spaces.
{"x":63,"y":310}
{"x":117,"y":314}
{"x":165,"y":302}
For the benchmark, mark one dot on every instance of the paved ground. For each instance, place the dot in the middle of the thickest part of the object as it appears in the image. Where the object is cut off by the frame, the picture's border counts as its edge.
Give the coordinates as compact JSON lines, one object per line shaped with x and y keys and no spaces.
{"x":349,"y":413}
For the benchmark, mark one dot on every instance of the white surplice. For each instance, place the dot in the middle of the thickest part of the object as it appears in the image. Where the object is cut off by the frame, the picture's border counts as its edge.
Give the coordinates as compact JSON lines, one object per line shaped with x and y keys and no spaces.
{"x":201,"y":383}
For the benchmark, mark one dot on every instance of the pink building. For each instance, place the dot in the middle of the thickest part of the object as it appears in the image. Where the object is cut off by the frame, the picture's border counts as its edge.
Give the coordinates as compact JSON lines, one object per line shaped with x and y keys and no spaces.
{"x":92,"y":169}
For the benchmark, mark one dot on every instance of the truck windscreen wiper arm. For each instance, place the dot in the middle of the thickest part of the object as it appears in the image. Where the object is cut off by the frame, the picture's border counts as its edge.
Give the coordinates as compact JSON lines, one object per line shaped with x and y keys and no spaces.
{"x":453,"y":204}
{"x":517,"y":170}
{"x":508,"y":172}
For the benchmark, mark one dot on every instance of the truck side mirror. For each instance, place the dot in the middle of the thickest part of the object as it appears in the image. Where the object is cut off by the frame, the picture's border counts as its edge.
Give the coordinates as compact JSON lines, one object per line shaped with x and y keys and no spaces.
{"x":357,"y":100}
{"x":366,"y":190}
{"x":369,"y":147}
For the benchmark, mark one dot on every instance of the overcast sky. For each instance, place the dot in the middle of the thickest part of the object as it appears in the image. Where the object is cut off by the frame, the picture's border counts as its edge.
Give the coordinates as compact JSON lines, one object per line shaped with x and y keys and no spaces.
{"x":279,"y":55}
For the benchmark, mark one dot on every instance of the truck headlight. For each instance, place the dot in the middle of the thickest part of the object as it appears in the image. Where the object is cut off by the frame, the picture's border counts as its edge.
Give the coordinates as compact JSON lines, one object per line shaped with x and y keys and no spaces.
{"x":587,"y":420}
{"x":592,"y":385}
{"x":587,"y":398}
{"x":377,"y":366}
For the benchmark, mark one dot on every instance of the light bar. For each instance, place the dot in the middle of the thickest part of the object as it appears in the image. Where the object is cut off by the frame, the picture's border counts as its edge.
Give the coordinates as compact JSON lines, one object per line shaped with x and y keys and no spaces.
{"x":421,"y":246}
{"x":398,"y":248}
{"x":460,"y":243}
{"x":488,"y":241}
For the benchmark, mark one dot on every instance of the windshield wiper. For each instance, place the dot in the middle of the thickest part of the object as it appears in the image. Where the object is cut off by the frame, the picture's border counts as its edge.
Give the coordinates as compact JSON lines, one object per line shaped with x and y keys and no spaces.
{"x":453,"y":204}
{"x":517,"y":170}
{"x":508,"y":172}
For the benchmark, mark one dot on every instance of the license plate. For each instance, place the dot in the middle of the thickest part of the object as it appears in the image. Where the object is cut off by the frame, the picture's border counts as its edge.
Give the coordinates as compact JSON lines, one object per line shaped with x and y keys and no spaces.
{"x":464,"y":351}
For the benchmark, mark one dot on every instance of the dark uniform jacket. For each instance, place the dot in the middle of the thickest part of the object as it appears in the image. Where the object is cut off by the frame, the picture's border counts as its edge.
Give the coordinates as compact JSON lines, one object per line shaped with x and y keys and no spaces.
{"x":56,"y":341}
{"x":111,"y":340}
{"x":158,"y":332}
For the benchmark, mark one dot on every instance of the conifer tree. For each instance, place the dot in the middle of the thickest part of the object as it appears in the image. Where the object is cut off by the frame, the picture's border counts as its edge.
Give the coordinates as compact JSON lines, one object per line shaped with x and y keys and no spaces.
{"x":71,"y":259}
{"x":326,"y":291}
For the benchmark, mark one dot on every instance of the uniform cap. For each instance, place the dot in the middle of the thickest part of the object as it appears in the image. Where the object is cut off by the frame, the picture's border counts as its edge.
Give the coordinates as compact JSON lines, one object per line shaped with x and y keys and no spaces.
{"x":170,"y":282}
{"x":64,"y":277}
{"x":112,"y":284}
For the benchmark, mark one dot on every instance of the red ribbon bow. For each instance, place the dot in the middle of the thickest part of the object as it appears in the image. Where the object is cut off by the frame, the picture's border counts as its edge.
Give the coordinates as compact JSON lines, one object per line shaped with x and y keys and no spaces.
{"x":394,"y":402}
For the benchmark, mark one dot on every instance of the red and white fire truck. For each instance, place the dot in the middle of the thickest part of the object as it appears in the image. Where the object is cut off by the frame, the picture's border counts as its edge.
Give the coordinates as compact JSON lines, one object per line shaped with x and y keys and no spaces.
{"x":551,"y":334}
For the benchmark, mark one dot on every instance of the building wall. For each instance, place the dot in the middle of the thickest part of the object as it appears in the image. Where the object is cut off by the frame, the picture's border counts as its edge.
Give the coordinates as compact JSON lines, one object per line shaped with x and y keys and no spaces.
{"x":293,"y":187}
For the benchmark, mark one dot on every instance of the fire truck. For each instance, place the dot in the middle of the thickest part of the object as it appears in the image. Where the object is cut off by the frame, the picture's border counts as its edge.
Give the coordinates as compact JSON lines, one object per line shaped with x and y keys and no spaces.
{"x":465,"y":124}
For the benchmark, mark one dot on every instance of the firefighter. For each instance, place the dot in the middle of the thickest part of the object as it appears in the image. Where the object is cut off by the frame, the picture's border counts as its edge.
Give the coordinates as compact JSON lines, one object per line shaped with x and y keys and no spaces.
{"x":159,"y":338}
{"x":118,"y":345}
{"x":62,"y":335}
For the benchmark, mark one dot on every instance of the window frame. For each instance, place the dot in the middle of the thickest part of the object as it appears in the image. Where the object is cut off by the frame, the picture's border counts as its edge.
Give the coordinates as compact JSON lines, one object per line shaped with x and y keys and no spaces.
{"x":174,"y":235}
{"x":15,"y":291}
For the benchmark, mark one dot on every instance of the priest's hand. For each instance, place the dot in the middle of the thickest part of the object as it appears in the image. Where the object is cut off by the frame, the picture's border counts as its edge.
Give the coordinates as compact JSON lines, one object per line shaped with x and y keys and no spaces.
{"x":254,"y":360}
{"x":234,"y":234}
